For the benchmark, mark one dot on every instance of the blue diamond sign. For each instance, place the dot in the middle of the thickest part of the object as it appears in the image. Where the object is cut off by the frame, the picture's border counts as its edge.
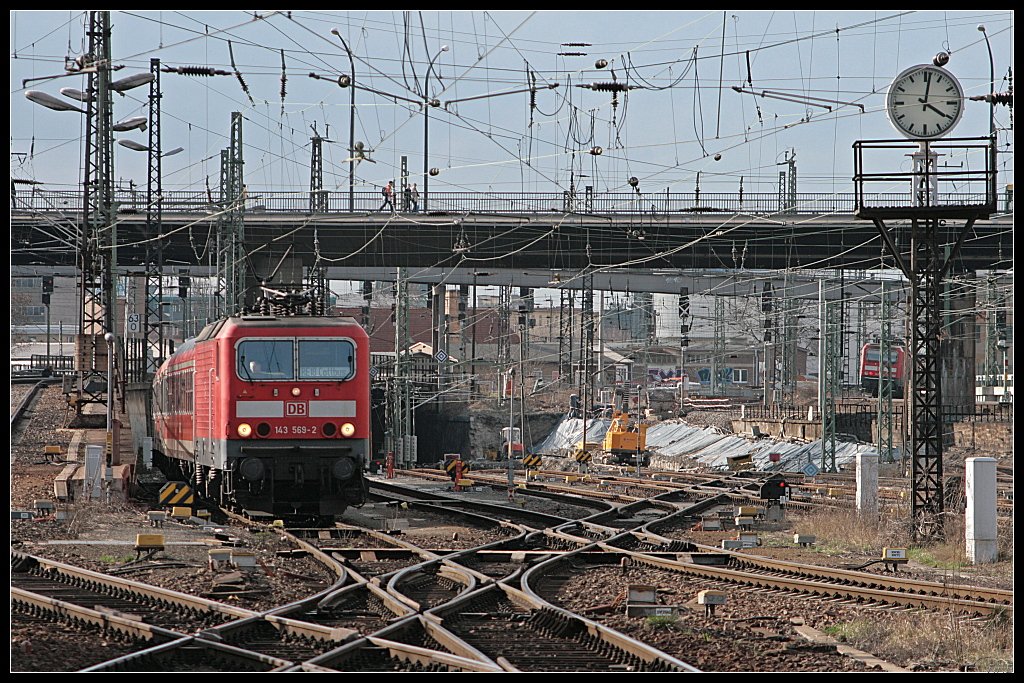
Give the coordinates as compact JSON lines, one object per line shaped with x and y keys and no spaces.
{"x":373,"y":373}
{"x":441,"y":356}
{"x":810,"y":469}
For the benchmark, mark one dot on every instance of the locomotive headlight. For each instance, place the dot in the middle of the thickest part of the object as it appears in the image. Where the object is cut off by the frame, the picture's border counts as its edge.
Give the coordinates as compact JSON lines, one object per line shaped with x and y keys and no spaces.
{"x":348,"y":429}
{"x":244,"y":430}
{"x":296,"y":391}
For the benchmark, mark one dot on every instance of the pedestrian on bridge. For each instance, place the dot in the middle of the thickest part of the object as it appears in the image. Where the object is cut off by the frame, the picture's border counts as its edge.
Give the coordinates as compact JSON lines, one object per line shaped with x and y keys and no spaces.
{"x":389,"y":194}
{"x":414,"y":197}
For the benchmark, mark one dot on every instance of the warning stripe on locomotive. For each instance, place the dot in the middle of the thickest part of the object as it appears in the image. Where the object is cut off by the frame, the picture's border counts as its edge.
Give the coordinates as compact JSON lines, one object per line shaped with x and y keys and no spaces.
{"x":176,"y":493}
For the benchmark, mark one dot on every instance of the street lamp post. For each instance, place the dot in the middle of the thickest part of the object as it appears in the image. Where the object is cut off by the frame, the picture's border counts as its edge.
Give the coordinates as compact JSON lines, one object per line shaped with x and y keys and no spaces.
{"x":992,"y":108}
{"x":427,"y":102}
{"x":1005,"y":396}
{"x":111,"y":346}
{"x":351,"y":126}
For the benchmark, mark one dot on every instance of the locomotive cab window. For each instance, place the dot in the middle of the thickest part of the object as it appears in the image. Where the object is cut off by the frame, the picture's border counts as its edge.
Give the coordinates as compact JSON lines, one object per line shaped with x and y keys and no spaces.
{"x":262,"y":359}
{"x":331,"y":359}
{"x":876,"y":355}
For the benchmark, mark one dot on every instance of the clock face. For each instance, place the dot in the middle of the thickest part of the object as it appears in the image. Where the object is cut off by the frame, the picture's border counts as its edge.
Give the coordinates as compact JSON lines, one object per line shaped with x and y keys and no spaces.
{"x":925,"y":102}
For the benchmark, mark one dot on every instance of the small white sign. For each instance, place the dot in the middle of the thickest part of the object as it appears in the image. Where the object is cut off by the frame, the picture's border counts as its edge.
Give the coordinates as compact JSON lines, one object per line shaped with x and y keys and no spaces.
{"x":133,"y":323}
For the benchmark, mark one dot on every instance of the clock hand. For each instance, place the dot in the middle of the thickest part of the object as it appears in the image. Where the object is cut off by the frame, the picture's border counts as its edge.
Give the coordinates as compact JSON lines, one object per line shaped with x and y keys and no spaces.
{"x":927,"y":87}
{"x":937,"y":110}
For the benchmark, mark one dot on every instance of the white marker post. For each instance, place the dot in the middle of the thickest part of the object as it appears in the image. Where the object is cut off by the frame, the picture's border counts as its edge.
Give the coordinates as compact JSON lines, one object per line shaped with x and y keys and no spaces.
{"x":981,"y":532}
{"x":867,"y":483}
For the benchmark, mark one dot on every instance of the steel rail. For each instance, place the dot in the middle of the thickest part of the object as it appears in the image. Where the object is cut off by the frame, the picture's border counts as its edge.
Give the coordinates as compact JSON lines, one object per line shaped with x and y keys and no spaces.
{"x":803,"y":585}
{"x":104,"y":620}
{"x":181,"y":600}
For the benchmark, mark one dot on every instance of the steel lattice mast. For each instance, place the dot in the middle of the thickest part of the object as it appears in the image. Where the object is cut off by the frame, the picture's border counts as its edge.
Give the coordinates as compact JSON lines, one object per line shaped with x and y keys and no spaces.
{"x":97,"y":240}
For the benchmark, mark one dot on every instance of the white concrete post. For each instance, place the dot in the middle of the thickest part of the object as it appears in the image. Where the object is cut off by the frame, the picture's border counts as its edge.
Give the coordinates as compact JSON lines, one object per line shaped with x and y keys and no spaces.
{"x":982,"y":544}
{"x":867,"y":483}
{"x":94,"y":469}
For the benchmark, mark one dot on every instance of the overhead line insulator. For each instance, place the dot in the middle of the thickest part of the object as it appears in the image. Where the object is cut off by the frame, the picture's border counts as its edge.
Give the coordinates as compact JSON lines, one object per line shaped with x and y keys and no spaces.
{"x":195,"y":71}
{"x":608,"y":86}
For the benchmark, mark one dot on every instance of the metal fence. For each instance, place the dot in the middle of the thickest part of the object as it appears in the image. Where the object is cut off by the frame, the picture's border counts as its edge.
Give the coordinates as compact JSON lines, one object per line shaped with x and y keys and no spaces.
{"x":1002,"y":412}
{"x":129,"y":202}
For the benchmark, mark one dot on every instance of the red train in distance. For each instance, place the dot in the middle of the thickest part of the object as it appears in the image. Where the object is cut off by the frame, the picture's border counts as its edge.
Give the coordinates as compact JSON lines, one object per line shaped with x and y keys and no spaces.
{"x":870,"y":359}
{"x":269,"y":414}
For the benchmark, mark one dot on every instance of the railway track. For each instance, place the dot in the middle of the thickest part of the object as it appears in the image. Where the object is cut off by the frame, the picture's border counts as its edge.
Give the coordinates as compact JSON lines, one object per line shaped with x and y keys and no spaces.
{"x":833,"y":583}
{"x":117,"y":596}
{"x":523,"y":637}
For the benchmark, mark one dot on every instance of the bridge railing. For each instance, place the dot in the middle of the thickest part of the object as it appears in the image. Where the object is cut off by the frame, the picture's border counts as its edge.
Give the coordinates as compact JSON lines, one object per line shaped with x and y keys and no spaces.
{"x":652,"y":204}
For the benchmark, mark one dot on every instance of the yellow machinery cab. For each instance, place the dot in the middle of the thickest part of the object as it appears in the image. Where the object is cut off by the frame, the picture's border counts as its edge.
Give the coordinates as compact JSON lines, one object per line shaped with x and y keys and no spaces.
{"x":624,"y":437}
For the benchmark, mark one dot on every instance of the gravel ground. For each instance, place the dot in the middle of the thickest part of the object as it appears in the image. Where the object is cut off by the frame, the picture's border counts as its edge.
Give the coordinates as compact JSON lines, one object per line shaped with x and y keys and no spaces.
{"x":739,"y":645}
{"x":18,"y":393}
{"x":39,"y":645}
{"x":425,"y":529}
{"x":719,"y":643}
{"x":31,"y":476}
{"x":277,"y":580}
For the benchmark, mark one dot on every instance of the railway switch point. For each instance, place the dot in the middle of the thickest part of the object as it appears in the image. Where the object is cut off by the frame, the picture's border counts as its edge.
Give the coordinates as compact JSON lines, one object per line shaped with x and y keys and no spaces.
{"x":706,"y":559}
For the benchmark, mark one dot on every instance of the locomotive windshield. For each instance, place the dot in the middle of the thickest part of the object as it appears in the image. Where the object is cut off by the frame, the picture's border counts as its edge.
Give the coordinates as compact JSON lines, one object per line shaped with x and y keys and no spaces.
{"x":875,"y":355}
{"x":265,"y":359}
{"x":326,"y":359}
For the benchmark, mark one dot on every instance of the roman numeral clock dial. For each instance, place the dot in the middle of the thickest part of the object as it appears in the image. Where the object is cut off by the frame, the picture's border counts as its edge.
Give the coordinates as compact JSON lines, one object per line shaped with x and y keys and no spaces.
{"x":925,"y":102}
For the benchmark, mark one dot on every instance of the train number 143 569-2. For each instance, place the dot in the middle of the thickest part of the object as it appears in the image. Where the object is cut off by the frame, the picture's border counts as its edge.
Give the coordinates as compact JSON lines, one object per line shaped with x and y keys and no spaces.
{"x":295,"y":429}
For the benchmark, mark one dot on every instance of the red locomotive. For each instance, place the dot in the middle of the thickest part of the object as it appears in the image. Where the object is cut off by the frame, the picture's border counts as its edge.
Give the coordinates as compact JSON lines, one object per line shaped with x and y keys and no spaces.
{"x":269,"y":414}
{"x":894,"y":368}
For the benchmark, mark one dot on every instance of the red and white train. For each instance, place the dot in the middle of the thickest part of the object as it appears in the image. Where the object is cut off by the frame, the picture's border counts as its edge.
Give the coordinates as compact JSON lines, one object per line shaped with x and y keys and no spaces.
{"x":874,"y":367}
{"x":269,"y":414}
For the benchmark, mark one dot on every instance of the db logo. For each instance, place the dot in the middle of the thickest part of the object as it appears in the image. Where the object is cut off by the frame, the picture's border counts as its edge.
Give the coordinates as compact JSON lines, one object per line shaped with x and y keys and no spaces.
{"x":295,"y":409}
